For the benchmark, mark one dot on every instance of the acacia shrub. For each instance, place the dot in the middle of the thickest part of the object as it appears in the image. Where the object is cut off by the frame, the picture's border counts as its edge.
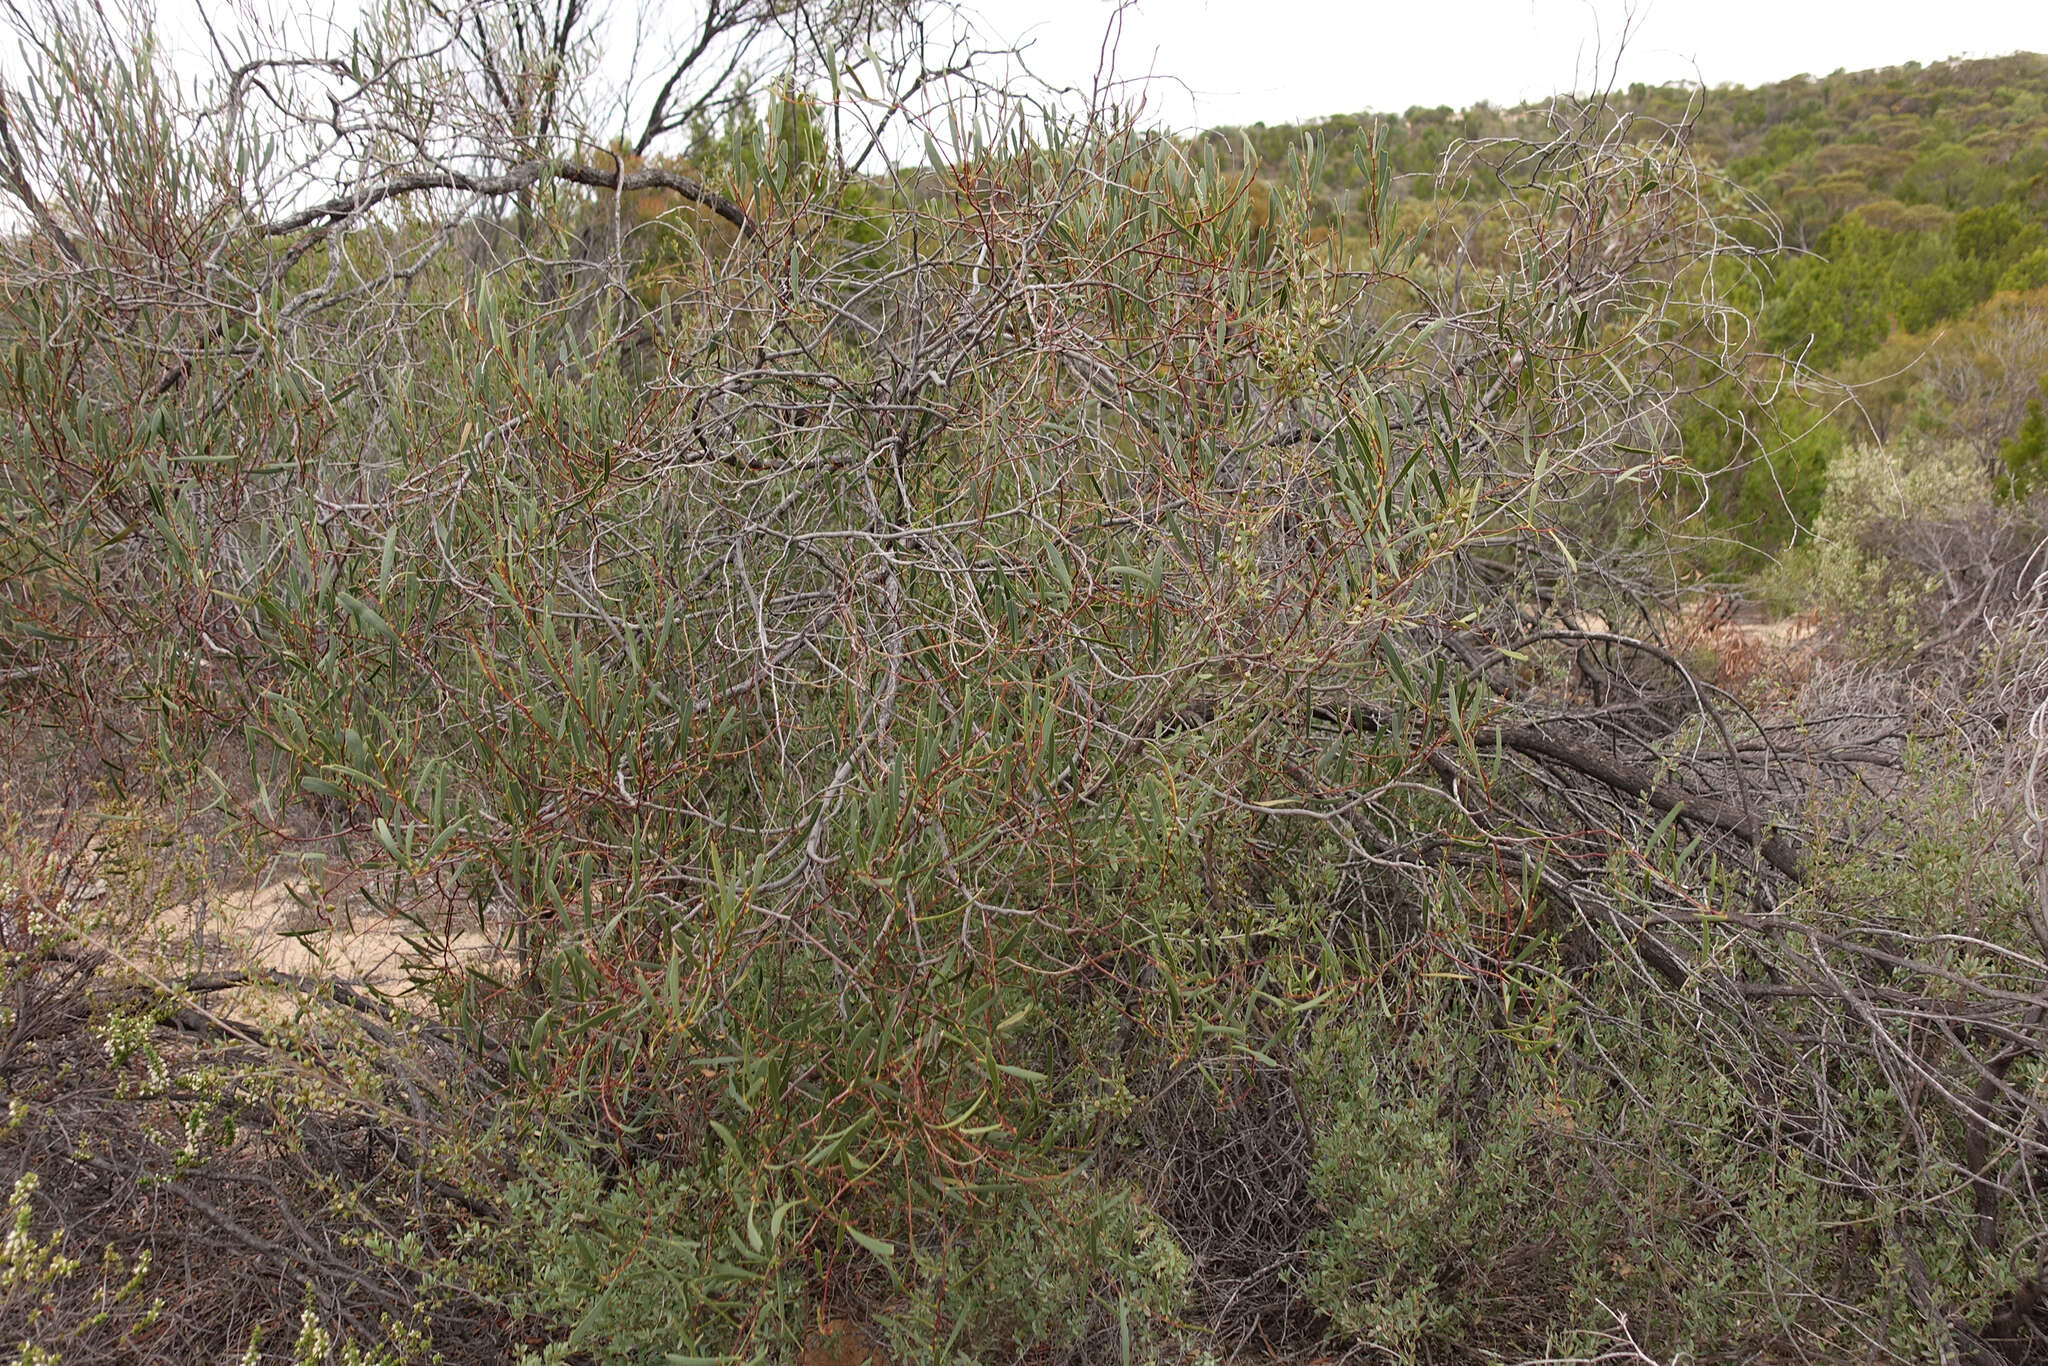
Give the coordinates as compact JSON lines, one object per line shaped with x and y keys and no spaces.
{"x":948,"y":675}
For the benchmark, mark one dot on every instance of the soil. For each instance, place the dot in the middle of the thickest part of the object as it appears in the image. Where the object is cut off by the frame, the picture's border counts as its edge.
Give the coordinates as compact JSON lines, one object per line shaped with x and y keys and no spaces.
{"x":321,"y":929}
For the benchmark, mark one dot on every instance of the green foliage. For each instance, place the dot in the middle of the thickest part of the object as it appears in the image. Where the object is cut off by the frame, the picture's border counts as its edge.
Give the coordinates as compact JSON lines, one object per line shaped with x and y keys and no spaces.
{"x":1507,"y":1175}
{"x":1027,"y":1275}
{"x":2027,"y":272}
{"x":1843,"y":161}
{"x":1491,"y":1192}
{"x":814,"y":707}
{"x":1966,"y":382}
{"x":1912,"y":536}
{"x":944,"y":678}
{"x":1877,"y":269}
{"x":2025,"y":457}
{"x":1756,"y":471}
{"x":1908,"y":196}
{"x":2000,"y":234}
{"x":1872,"y":493}
{"x":652,"y":1260}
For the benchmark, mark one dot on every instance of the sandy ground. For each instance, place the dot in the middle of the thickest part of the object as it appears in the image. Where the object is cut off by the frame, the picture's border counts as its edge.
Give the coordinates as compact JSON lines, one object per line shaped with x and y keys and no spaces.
{"x":1776,"y":635}
{"x":293,"y":926}
{"x":1748,"y":646}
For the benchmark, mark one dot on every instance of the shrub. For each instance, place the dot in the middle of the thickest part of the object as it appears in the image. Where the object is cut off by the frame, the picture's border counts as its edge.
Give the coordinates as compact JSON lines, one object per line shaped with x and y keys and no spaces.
{"x":1910,"y":541}
{"x":1503,"y":1181}
{"x":959,"y":681}
{"x":2025,"y":457}
{"x":2028,"y":272}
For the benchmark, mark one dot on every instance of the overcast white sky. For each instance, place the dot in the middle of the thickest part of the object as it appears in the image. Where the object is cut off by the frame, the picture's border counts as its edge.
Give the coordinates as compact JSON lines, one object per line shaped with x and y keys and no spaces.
{"x":1242,"y":61}
{"x":1276,"y":60}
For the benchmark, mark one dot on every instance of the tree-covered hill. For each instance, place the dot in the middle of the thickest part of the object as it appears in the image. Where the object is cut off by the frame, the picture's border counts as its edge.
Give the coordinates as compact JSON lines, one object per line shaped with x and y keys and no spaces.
{"x":1952,"y":134}
{"x":1906,"y":195}
{"x":1881,"y":210}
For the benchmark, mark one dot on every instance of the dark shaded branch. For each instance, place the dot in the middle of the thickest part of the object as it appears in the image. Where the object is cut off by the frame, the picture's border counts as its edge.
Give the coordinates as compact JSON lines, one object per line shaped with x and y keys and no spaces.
{"x":16,"y":175}
{"x":1777,"y":849}
{"x":516,"y":178}
{"x":717,"y":21}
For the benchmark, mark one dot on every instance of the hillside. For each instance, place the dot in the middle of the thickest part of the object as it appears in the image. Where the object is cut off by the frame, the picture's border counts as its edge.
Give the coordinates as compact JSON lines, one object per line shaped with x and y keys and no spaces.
{"x":1881,"y":208}
{"x":1918,"y":191}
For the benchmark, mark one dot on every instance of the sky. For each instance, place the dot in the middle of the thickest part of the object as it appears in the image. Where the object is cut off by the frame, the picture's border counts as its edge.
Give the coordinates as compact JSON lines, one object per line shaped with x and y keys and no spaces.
{"x":1244,"y":61}
{"x":1222,"y":62}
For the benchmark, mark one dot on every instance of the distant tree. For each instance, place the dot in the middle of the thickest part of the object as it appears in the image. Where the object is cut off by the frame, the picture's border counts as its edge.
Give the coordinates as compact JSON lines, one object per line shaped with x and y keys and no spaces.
{"x":2025,"y":457}
{"x":1840,"y":301}
{"x":2028,"y":272}
{"x":1999,"y":233}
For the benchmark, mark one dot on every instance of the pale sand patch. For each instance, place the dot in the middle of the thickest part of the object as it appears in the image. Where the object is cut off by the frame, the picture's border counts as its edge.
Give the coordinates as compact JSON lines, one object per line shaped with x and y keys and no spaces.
{"x":1705,"y":619}
{"x":1778,"y":635}
{"x":267,"y":929}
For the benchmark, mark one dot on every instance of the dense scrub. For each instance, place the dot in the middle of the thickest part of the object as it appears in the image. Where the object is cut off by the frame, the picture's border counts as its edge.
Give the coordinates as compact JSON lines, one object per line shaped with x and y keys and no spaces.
{"x":1953,"y":134}
{"x":1908,"y":202}
{"x":1070,"y":772}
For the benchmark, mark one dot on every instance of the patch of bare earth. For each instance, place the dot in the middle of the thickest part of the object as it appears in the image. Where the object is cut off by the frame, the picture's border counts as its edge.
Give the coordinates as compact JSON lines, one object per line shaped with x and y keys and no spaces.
{"x":1752,"y":652}
{"x":307,"y":927}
